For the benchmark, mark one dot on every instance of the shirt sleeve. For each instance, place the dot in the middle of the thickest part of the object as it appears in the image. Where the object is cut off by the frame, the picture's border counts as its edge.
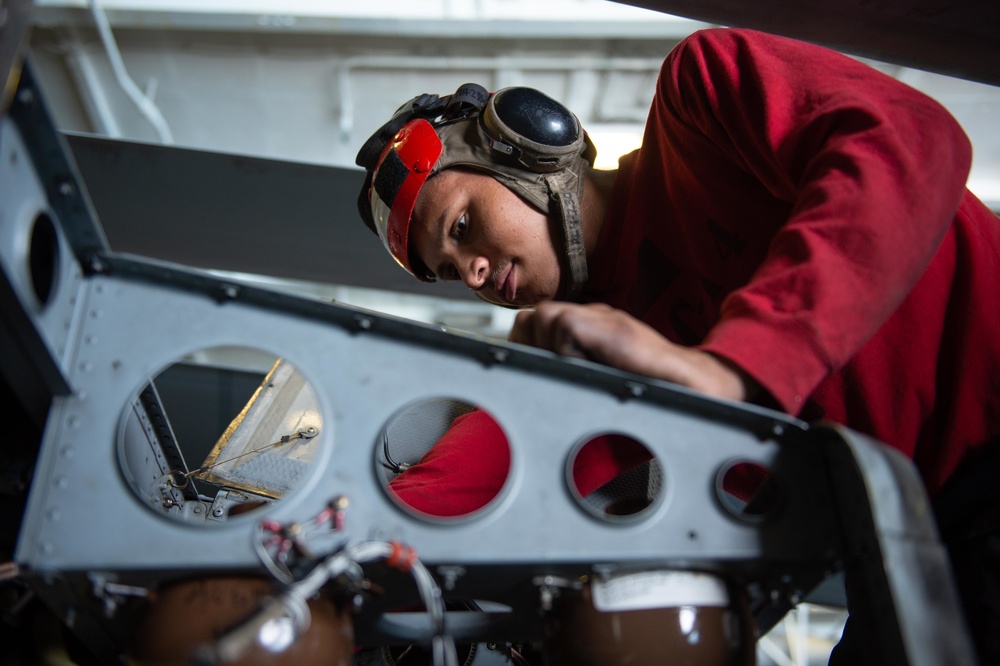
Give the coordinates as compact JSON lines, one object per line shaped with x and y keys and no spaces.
{"x":873,"y":169}
{"x":467,"y":468}
{"x":461,"y":473}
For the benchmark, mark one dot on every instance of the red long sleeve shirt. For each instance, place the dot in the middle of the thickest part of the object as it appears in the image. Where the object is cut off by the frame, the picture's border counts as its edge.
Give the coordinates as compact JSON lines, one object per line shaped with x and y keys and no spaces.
{"x":804,"y":216}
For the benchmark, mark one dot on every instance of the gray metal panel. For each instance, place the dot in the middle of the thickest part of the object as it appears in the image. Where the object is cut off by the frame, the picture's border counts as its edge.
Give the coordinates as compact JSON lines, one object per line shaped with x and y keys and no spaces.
{"x":41,"y":282}
{"x":238,"y":213}
{"x":366,"y":368}
{"x":900,"y":558}
{"x":364,"y":376}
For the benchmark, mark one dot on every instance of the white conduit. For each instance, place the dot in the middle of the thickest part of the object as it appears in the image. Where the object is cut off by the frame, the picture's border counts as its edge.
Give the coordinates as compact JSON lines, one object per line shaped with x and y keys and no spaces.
{"x":95,"y":99}
{"x":146,"y":106}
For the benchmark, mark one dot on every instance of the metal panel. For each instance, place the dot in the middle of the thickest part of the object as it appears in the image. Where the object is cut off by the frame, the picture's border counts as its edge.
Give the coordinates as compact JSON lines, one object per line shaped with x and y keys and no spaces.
{"x":238,"y":213}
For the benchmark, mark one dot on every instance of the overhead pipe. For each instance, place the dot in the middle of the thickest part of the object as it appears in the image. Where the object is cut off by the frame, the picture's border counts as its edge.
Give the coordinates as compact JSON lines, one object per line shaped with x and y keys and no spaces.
{"x":95,"y":100}
{"x":145,"y":105}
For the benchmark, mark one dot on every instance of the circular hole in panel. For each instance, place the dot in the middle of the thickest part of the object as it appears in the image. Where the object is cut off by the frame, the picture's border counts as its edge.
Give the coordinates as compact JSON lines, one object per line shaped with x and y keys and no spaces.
{"x":615,"y":477}
{"x":442,"y":458}
{"x":747,"y":490}
{"x":43,"y":257}
{"x":220,"y":433}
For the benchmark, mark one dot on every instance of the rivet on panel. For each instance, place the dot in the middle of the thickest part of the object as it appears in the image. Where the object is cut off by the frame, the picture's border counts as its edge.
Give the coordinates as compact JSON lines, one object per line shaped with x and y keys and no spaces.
{"x":635,"y":389}
{"x":499,"y":355}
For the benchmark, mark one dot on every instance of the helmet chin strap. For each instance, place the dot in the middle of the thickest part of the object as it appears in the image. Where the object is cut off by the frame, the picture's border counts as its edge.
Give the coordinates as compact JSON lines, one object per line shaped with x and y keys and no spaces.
{"x":565,"y":208}
{"x":566,"y":203}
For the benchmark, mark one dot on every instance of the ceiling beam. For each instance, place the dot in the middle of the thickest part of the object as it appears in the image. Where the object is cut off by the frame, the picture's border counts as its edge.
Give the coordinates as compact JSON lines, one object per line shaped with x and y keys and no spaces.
{"x":960,"y":39}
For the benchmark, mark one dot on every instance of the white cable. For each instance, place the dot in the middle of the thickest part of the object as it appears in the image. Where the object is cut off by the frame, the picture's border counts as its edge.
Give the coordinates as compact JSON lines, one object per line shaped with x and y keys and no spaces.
{"x":348,"y":560}
{"x":283,"y":575}
{"x":442,"y":644}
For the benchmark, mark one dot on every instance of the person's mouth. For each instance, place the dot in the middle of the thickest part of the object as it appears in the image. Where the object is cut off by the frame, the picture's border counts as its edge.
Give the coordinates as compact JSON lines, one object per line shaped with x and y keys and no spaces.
{"x":506,"y":283}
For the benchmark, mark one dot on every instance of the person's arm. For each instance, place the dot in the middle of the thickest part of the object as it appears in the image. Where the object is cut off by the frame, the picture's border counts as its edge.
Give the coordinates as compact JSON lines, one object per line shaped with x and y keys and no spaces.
{"x":874,"y":171}
{"x":608,"y":335}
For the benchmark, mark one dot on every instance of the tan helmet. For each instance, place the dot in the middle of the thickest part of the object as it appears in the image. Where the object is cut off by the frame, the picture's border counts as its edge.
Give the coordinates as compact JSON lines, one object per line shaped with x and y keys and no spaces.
{"x":525,"y":139}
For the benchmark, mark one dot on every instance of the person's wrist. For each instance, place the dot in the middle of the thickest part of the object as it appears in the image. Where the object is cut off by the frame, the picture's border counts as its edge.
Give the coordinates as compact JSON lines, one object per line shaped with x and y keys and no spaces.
{"x":727,"y":380}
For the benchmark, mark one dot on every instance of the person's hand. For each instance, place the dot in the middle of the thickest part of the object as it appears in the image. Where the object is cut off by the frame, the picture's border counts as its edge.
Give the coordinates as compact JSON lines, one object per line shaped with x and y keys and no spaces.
{"x":601,"y":333}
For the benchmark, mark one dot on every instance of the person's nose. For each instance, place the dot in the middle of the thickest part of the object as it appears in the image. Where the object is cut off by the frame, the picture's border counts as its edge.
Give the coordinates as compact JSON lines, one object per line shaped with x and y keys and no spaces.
{"x":476,"y":272}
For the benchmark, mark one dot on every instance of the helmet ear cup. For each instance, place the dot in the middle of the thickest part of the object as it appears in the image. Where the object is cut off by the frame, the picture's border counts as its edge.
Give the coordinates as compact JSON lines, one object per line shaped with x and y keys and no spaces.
{"x":537,"y":117}
{"x":533,"y":129}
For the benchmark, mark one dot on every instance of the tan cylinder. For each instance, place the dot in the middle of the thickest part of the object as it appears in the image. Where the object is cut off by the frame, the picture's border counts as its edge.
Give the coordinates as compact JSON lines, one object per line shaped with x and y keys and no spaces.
{"x":186,"y":616}
{"x":650,"y":618}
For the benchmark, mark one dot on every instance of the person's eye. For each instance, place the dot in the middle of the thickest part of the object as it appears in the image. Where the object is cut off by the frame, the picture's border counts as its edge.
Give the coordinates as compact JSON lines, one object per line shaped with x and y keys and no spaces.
{"x":461,"y":226}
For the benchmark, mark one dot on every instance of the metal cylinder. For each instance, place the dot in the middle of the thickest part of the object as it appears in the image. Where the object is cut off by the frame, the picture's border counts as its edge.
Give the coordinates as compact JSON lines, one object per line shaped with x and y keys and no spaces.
{"x":648,"y":618}
{"x":185,"y":619}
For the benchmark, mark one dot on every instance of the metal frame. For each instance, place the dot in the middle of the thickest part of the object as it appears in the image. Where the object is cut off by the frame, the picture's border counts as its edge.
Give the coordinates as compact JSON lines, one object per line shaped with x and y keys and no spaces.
{"x":113,"y":322}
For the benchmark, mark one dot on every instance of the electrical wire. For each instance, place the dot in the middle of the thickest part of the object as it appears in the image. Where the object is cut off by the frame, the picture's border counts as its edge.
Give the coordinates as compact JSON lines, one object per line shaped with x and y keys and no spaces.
{"x":389,"y":463}
{"x":289,"y":542}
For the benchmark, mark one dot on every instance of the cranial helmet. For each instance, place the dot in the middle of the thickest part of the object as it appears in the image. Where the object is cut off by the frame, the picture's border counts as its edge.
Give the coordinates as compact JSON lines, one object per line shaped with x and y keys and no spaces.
{"x":520,"y":136}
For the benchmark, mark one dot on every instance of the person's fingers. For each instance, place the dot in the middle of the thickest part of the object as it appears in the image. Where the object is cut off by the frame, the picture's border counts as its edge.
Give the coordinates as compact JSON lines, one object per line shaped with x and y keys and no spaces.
{"x":535,"y":327}
{"x":584,"y":331}
{"x":562,"y":337}
{"x":521,"y":331}
{"x":587,"y":332}
{"x":604,"y":334}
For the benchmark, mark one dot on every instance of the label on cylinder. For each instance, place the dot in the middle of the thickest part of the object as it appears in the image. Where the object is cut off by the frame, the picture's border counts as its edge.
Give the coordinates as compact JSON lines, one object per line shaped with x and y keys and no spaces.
{"x":658,"y":589}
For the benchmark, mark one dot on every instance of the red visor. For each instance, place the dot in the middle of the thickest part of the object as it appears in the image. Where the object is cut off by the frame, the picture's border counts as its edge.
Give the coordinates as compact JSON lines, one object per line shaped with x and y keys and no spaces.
{"x":404,"y":166}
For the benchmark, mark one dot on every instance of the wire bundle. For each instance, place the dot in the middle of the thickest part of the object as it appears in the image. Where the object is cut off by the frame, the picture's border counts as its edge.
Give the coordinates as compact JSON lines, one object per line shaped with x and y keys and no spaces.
{"x":290,"y":551}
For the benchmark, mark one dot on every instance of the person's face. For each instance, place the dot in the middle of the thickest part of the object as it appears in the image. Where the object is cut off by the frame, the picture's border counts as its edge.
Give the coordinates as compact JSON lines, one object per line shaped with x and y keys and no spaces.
{"x":468,"y":226}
